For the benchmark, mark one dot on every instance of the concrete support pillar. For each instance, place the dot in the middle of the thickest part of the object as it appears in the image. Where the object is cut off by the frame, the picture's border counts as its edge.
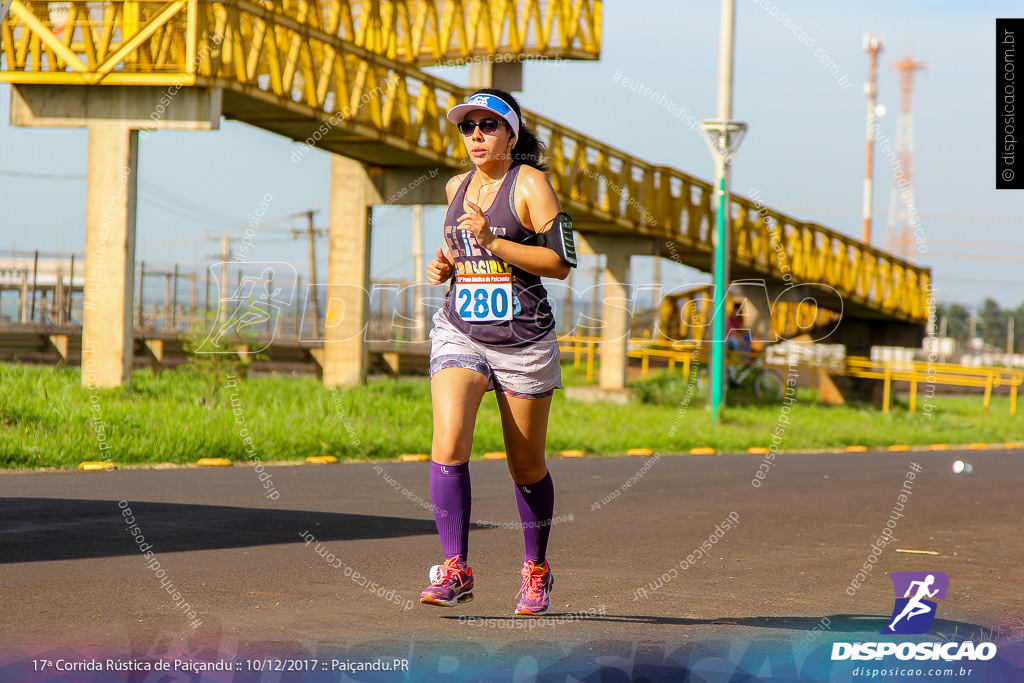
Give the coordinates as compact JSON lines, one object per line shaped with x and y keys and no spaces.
{"x":616,"y":309}
{"x":858,"y":336}
{"x":107,"y":337}
{"x":617,"y":318}
{"x":114,"y":116}
{"x":353,"y":195}
{"x":757,"y":310}
{"x":507,"y":76}
{"x":418,"y":313}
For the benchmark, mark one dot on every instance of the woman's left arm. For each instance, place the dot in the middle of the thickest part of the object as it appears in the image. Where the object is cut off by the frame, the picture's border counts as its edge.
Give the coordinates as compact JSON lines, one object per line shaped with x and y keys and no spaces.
{"x":537,"y":205}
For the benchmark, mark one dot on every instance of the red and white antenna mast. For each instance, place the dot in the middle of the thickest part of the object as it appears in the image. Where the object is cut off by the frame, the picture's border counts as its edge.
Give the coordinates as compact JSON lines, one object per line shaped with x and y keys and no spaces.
{"x":901,"y":229}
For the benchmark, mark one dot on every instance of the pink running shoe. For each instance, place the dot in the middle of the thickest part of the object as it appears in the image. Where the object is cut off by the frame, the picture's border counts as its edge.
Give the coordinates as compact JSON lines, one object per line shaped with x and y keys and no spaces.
{"x":537,"y":585}
{"x":450,"y":584}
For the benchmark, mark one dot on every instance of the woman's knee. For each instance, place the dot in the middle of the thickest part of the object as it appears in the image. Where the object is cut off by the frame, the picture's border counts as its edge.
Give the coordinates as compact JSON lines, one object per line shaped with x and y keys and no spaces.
{"x":450,"y":451}
{"x":527,"y":473}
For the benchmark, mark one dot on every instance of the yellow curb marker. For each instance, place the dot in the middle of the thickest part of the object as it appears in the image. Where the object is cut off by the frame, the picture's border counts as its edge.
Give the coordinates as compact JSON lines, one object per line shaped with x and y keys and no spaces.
{"x":978,"y":446}
{"x":939,"y":447}
{"x":639,"y":451}
{"x":413,"y":457}
{"x":1013,"y":444}
{"x":856,"y":449}
{"x":704,"y":450}
{"x":495,"y":455}
{"x":572,"y":454}
{"x":899,"y":447}
{"x":321,"y":460}
{"x":214,"y":462}
{"x":94,"y":465}
{"x":757,"y":450}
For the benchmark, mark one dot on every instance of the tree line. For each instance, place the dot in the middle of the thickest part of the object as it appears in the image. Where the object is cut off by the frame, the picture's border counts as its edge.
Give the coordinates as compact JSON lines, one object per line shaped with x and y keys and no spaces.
{"x":989,"y":321}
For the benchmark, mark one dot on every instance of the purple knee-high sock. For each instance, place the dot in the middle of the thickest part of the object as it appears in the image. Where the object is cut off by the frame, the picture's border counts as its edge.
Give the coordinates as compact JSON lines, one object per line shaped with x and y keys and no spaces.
{"x":536,"y":506}
{"x":452,"y":497}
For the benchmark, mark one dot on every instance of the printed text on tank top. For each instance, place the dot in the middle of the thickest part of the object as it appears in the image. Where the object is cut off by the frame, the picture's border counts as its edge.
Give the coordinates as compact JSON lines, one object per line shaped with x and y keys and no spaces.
{"x":531,"y":316}
{"x":473,"y":261}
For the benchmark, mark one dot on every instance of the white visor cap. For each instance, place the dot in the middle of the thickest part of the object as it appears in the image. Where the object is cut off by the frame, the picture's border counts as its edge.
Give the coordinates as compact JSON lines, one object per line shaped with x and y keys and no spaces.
{"x":489,"y":102}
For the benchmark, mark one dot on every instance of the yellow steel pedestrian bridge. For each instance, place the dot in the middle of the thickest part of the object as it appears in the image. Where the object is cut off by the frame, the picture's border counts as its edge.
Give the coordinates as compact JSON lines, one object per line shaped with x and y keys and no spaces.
{"x":346,"y":75}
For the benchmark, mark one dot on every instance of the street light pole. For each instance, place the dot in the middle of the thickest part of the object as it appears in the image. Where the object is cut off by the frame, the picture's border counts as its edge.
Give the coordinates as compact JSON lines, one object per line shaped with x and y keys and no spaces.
{"x":723,"y":136}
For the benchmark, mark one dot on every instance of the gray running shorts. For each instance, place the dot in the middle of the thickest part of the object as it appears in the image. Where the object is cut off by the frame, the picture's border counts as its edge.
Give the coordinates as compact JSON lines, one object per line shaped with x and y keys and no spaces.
{"x":531,"y":371}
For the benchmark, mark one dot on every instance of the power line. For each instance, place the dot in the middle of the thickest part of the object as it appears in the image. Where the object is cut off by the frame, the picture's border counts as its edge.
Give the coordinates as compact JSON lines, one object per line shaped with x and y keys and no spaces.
{"x":983,"y":281}
{"x":28,"y":175}
{"x":187,"y":203}
{"x":974,"y":257}
{"x":930,"y":216}
{"x":404,"y":262}
{"x":981,"y":245}
{"x":171,"y":209}
{"x":263,"y":227}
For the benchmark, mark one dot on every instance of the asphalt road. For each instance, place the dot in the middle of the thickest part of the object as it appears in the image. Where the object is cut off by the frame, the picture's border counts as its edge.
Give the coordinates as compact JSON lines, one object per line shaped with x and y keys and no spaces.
{"x":75,"y":584}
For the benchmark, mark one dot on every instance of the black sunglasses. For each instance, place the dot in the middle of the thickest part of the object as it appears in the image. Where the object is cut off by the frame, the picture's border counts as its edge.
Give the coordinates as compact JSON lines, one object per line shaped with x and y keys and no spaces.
{"x":487,"y":126}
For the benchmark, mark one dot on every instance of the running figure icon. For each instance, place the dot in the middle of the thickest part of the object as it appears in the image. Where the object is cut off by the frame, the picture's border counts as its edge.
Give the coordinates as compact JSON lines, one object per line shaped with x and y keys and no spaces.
{"x":915,"y":606}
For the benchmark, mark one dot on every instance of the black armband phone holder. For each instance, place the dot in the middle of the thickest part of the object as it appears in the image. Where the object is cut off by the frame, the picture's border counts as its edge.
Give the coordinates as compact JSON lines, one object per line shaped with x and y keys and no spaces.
{"x":559,"y":239}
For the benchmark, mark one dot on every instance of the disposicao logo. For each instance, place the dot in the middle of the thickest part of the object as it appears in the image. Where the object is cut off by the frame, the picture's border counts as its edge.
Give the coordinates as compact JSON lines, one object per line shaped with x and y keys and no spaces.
{"x":914,"y":612}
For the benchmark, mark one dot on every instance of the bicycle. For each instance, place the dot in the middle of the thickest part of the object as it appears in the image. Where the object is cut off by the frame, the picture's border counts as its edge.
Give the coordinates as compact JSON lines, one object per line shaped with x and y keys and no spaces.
{"x":767,"y":383}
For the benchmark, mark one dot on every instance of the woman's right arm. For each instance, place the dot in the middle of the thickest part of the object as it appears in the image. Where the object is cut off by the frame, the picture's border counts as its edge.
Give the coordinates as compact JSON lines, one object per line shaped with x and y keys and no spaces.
{"x":442,"y":267}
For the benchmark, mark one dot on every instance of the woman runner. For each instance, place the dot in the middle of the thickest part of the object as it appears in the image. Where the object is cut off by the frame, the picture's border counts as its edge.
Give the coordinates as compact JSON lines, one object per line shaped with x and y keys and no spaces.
{"x":496,"y":331}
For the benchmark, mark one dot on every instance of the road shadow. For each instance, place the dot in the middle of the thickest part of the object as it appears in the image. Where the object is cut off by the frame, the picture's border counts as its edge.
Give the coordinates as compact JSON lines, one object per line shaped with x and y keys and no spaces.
{"x":46,"y":529}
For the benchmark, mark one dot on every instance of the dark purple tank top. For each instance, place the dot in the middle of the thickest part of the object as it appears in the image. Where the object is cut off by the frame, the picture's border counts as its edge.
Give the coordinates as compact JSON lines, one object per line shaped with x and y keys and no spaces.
{"x":532,"y":318}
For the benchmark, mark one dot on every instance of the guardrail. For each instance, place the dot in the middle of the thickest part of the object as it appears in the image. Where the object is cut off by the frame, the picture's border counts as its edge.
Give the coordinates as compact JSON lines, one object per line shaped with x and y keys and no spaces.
{"x":586,"y":349}
{"x":931,"y":374}
{"x":164,"y":349}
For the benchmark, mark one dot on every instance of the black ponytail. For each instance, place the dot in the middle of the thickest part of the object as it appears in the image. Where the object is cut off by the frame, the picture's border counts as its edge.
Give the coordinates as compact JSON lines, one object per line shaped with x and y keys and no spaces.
{"x":529,"y":149}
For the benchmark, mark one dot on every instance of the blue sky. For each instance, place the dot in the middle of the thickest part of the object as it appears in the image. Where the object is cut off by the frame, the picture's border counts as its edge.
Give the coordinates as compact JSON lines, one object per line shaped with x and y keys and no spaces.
{"x":804,"y":150}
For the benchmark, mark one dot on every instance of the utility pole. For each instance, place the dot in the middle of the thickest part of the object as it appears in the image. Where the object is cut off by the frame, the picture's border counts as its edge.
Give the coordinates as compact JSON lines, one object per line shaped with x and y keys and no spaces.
{"x":873,"y":46}
{"x":942,"y":336}
{"x":311,"y":233}
{"x":225,"y":295}
{"x":723,"y":136}
{"x":71,"y":290}
{"x":656,"y":275}
{"x":225,"y":254}
{"x":139,"y":320}
{"x":901,"y":226}
{"x":35,"y":283}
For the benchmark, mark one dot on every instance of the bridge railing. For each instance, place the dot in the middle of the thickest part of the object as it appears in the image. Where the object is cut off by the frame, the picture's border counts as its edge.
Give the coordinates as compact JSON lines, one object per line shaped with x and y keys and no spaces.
{"x":688,"y":315}
{"x":143,"y":36}
{"x":290,"y":57}
{"x":426,"y":32}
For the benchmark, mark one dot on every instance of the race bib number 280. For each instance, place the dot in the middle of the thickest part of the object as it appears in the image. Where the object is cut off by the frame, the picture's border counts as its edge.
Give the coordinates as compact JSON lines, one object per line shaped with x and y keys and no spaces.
{"x":484,"y":297}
